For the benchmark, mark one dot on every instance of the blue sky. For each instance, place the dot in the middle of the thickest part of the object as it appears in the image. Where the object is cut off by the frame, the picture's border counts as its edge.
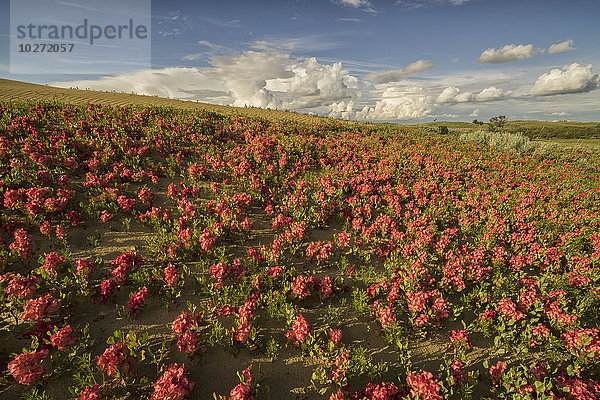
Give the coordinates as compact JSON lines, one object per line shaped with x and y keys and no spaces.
{"x":406,"y":60}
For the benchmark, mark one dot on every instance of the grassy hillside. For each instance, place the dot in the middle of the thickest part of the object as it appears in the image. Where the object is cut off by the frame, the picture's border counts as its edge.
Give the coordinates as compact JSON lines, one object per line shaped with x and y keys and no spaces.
{"x":530,"y":129}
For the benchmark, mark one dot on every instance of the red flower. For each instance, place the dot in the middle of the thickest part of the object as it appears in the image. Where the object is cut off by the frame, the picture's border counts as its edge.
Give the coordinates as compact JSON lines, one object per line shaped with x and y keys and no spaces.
{"x":171,"y":275}
{"x":460,"y":339}
{"x":107,"y":288}
{"x":93,"y":392}
{"x":300,"y":330}
{"x":22,"y":244}
{"x":335,"y":335}
{"x":187,"y":339}
{"x":85,"y":269}
{"x":244,"y":390}
{"x":509,"y":309}
{"x":63,"y":338}
{"x":136,"y":300}
{"x":45,"y":228}
{"x":584,"y":341}
{"x":60,"y":232}
{"x":184,"y":322}
{"x":343,"y":239}
{"x":424,"y":386}
{"x":457,"y":374}
{"x":146,"y":196}
{"x":173,"y":384}
{"x":105,"y":216}
{"x":27,"y":368}
{"x":275,"y":272}
{"x":576,"y":388}
{"x":52,"y":263}
{"x":326,"y":287}
{"x":300,"y":287}
{"x":123,"y":265}
{"x":496,"y":372}
{"x":117,"y":358}
{"x":74,"y":217}
{"x":22,"y":288}
{"x":36,"y":309}
{"x":383,"y":391}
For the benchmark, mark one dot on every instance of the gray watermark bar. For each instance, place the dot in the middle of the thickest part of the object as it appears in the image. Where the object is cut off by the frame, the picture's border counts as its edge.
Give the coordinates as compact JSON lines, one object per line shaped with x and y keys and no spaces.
{"x":79,"y":36}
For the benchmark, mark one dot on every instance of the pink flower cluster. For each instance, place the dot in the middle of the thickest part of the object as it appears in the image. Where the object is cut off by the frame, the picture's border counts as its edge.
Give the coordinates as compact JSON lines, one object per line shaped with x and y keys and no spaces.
{"x":52,"y":263}
{"x":20,"y":287}
{"x":123,"y":265}
{"x":93,"y":392}
{"x":22,"y":244}
{"x":507,"y":308}
{"x":457,"y":372}
{"x":577,"y":388}
{"x":555,"y":312}
{"x":221,"y":270}
{"x":107,"y":288}
{"x":419,"y":301}
{"x":460,"y":339}
{"x":246,"y":312}
{"x":335,"y":335}
{"x":116,"y":359}
{"x":85,"y":269}
{"x":384,"y":314}
{"x":585,"y":341}
{"x":41,"y":307}
{"x":424,"y":386}
{"x":136,"y":300}
{"x":300,"y":330}
{"x":326,"y":287}
{"x":27,"y":368}
{"x":280,"y":221}
{"x":172,"y":384}
{"x":171,"y":275}
{"x":382,"y":391}
{"x":64,"y":338}
{"x":343,"y":239}
{"x":146,"y":196}
{"x":300,"y":287}
{"x":183,"y":326}
{"x":244,"y":390}
{"x":497,"y":372}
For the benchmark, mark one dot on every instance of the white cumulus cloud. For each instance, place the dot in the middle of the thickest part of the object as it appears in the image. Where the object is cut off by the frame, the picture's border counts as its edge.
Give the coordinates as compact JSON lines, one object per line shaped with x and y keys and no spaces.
{"x":508,"y":53}
{"x":454,"y":95}
{"x":246,"y":74}
{"x":561,"y":47}
{"x":395,"y":75}
{"x":399,"y":103}
{"x":573,"y":78}
{"x":491,"y":93}
{"x":395,"y":103}
{"x":270,"y":79}
{"x":342,"y":110}
{"x":314,"y":84}
{"x":173,"y":82}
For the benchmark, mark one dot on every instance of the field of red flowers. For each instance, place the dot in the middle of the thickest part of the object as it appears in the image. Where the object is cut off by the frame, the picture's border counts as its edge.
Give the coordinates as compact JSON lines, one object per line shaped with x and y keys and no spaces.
{"x":155,"y":253}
